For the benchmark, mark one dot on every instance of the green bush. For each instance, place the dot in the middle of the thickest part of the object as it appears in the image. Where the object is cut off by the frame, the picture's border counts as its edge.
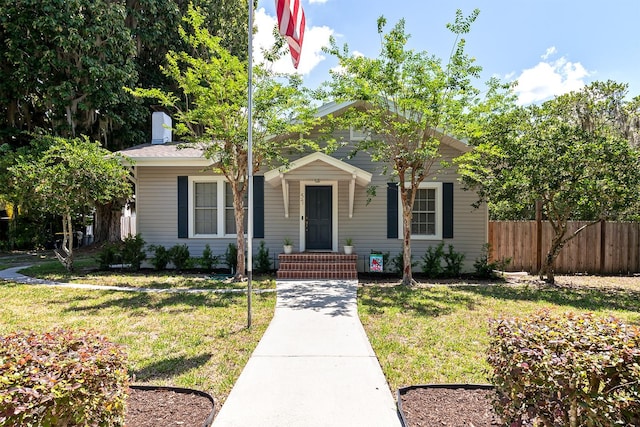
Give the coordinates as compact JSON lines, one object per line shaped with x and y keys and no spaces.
{"x":397,"y":263}
{"x":452,"y":262}
{"x":109,"y":255}
{"x":208,"y":261}
{"x":571,"y":370}
{"x":61,"y":378}
{"x":263,"y":262}
{"x":432,"y":261}
{"x":133,"y":251}
{"x":160,"y":258}
{"x":180,"y":256}
{"x":486,"y":269}
{"x":231,"y":257}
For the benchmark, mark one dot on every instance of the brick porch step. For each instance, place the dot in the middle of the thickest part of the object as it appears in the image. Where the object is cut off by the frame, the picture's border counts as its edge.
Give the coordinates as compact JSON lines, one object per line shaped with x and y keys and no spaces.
{"x":317,"y":266}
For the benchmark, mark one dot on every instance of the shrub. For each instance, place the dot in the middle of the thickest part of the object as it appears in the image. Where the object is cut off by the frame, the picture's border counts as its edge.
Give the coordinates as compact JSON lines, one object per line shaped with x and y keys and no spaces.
{"x":453,"y":262}
{"x":208,"y":260}
{"x":486,"y":269}
{"x":397,"y":263}
{"x":133,"y":251}
{"x":109,"y":255}
{"x":179,"y":256}
{"x":263,"y":262}
{"x":160,"y":258}
{"x":432,"y":261}
{"x":61,"y":378}
{"x":231,"y":257}
{"x":571,"y":370}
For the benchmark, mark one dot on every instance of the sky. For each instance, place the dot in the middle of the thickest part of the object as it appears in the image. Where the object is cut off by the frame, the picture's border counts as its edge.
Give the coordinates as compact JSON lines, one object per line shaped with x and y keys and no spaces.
{"x":549,"y":46}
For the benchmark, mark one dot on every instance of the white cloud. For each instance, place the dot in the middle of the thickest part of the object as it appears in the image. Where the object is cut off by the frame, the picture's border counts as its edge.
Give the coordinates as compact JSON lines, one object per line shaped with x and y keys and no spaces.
{"x":315,"y":38}
{"x":550,"y":78}
{"x":550,"y":51}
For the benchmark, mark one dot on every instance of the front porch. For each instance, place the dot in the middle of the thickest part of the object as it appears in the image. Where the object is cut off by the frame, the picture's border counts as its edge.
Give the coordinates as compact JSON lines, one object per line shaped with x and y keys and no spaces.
{"x":317,"y":265}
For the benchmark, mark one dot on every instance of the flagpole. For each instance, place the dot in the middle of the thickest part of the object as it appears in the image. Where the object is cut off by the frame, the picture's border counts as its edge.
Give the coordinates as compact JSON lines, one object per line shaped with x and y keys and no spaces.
{"x":249,"y":260}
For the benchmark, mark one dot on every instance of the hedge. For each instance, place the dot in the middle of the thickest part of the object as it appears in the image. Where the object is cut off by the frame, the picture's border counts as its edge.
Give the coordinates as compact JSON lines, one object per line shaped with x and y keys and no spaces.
{"x":61,"y":378}
{"x":566,"y":370}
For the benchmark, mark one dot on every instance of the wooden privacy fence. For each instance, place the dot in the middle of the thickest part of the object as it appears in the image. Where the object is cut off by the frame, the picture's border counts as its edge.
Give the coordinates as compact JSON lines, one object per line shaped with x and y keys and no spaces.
{"x":603,"y":248}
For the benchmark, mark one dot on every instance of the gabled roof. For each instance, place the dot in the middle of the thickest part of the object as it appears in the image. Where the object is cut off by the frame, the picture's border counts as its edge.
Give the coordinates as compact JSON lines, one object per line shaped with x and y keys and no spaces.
{"x":337,"y":108}
{"x":361,"y":177}
{"x":169,"y":154}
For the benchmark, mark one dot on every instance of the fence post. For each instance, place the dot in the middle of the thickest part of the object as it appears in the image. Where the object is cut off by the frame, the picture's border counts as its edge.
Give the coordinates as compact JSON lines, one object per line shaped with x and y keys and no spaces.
{"x":538,"y":236}
{"x":603,"y":245}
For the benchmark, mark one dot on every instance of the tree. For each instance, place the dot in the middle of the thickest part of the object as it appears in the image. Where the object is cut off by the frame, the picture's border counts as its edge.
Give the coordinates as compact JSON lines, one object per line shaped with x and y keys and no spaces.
{"x":215,"y":82}
{"x":571,"y":154}
{"x":68,"y":179}
{"x":411,"y":102}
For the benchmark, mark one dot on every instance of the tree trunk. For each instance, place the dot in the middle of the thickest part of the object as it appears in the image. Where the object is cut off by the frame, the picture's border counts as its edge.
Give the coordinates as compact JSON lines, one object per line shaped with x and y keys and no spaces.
{"x":407,"y":214}
{"x":548,"y":266}
{"x":65,"y":252}
{"x":238,"y":207}
{"x":107,"y":222}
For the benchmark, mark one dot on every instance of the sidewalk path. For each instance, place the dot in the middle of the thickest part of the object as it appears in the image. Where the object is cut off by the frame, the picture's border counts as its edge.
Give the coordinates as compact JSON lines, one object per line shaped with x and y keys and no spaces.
{"x":314,"y":366}
{"x":12,"y":275}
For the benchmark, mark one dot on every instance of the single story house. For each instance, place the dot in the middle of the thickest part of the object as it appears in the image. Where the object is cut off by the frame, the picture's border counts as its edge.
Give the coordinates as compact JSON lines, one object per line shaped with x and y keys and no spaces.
{"x":318,"y":202}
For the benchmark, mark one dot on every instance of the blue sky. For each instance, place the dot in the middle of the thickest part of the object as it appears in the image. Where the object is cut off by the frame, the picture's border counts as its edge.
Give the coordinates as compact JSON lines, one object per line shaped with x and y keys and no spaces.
{"x":549,"y":46}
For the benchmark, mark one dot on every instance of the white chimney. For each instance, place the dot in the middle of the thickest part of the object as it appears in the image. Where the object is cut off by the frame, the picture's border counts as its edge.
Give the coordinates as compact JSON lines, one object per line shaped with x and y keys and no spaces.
{"x":160,"y":128}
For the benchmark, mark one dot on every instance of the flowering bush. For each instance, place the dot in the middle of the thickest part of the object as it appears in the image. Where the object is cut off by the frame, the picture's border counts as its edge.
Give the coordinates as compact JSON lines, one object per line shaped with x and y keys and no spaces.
{"x":572,"y":370}
{"x":61,"y":378}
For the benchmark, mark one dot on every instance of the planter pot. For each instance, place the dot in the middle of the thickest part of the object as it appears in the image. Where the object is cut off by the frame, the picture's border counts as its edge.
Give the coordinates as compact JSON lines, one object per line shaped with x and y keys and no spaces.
{"x":348,"y":250}
{"x":288,"y":249}
{"x":402,"y":391}
{"x":185,"y":391}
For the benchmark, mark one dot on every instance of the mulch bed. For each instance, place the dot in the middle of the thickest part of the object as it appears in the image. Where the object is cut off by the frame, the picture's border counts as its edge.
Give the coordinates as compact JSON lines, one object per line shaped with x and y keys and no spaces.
{"x":434,"y":407}
{"x":166,"y":408}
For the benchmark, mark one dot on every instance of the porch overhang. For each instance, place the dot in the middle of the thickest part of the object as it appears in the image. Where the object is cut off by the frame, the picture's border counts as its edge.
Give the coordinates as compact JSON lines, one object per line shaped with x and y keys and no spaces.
{"x":338,"y":171}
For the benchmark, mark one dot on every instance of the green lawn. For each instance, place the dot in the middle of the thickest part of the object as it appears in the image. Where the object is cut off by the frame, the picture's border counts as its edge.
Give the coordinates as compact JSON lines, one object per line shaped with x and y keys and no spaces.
{"x":188,"y":340}
{"x":428,"y":334}
{"x":439,"y":334}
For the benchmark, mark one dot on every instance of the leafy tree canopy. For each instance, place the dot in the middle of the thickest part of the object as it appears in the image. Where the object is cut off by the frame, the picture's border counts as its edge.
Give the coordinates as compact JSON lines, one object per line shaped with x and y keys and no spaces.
{"x":572,"y":154}
{"x":68,"y":179}
{"x":213,"y":114}
{"x":410,"y":102}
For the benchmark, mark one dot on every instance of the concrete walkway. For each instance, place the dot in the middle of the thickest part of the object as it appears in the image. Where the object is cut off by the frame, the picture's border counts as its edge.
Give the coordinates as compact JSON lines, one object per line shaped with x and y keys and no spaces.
{"x":314,"y":366}
{"x":12,"y":275}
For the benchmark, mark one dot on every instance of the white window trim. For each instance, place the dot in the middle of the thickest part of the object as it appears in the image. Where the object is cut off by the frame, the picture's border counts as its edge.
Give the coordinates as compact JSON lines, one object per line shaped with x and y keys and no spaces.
{"x":438,"y":236}
{"x":220,"y":203}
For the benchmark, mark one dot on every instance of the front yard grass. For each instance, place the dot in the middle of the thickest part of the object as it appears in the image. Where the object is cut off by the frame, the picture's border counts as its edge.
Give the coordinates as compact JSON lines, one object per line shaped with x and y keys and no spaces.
{"x":439,"y":334}
{"x":188,"y":340}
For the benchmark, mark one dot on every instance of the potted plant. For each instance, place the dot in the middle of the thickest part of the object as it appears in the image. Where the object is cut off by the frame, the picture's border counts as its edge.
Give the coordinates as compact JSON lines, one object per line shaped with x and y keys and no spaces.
{"x":348,"y":246}
{"x":288,"y":245}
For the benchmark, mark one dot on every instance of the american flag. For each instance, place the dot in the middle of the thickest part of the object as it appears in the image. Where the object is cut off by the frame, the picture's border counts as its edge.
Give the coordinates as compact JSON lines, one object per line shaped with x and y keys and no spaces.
{"x":291,"y":23}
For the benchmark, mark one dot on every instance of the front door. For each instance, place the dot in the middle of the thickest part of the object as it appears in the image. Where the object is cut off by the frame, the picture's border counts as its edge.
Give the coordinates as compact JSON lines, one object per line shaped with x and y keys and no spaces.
{"x":318,"y":214}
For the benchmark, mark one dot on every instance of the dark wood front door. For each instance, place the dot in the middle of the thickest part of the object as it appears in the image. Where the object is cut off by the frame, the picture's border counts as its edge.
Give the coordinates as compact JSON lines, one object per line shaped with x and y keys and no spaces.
{"x":318,"y":226}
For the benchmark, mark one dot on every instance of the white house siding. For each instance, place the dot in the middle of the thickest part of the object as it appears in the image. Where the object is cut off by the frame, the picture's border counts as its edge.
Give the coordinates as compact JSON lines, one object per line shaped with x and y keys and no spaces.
{"x":157,"y":211}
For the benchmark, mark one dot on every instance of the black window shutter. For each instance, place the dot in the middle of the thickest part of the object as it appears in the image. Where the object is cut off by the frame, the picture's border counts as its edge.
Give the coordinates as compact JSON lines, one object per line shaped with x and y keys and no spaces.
{"x":183,"y":207}
{"x":258,"y":207}
{"x":392,"y":210}
{"x":447,"y":210}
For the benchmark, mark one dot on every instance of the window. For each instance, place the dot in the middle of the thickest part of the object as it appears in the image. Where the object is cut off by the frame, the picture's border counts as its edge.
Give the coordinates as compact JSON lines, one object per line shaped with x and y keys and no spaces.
{"x":424,"y":212}
{"x":426,"y":222}
{"x":211,"y":212}
{"x":206,"y":208}
{"x":358,"y":134}
{"x":229,"y":211}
